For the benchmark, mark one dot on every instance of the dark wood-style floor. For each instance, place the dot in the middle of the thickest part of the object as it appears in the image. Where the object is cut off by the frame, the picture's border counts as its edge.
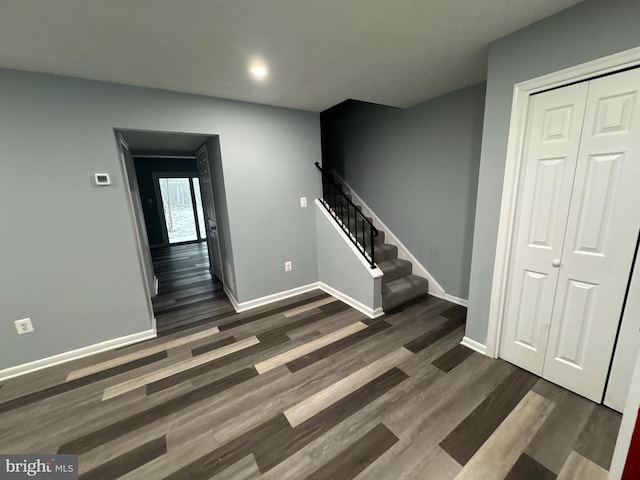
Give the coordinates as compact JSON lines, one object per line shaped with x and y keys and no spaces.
{"x":184,"y":278}
{"x":305,"y":388}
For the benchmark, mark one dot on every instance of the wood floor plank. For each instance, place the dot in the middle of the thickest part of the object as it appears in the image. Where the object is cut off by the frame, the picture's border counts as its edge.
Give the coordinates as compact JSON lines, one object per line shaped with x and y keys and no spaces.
{"x":129,"y":385}
{"x":282,"y":445}
{"x":358,"y":456}
{"x":114,"y":362}
{"x":309,"y":306}
{"x":188,"y":374}
{"x":451,"y":359}
{"x":65,"y":387}
{"x":499,"y":453}
{"x":578,"y":467}
{"x":245,"y":469}
{"x":597,"y":440}
{"x":310,"y":407}
{"x":225,"y":456}
{"x":433,"y":336}
{"x":335,"y":347}
{"x":117,"y":467}
{"x":133,"y":422}
{"x":468,"y":437}
{"x":273,"y":311}
{"x":558,"y":436}
{"x":428,"y":413}
{"x":526,"y":468}
{"x":308,"y":347}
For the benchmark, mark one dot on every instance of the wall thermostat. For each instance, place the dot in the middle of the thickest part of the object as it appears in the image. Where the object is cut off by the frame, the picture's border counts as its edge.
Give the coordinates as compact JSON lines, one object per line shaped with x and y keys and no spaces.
{"x":103,"y":179}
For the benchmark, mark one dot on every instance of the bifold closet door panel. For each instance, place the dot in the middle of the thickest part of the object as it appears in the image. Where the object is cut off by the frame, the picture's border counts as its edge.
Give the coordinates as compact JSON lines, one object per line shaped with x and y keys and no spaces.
{"x":600,"y":241}
{"x":549,"y":162}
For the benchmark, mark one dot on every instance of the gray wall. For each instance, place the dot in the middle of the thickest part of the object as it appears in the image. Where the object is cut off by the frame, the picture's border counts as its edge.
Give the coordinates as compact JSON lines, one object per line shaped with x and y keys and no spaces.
{"x":68,"y":256}
{"x":417,"y":169}
{"x":588,"y":31}
{"x":340,"y":267}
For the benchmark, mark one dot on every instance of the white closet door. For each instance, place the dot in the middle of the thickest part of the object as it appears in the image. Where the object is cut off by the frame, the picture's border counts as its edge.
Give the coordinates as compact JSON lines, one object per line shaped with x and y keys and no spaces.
{"x":549,"y":163}
{"x":601,"y":234}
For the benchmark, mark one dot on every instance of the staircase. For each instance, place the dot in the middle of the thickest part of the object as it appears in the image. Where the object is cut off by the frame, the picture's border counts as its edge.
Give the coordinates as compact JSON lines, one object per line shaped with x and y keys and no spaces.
{"x":399,"y":284}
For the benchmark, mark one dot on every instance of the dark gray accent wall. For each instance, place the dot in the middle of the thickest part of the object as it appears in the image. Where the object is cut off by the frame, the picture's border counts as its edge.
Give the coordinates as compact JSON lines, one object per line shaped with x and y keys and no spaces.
{"x":68,"y":258}
{"x":417,"y":169}
{"x":590,"y":30}
{"x":145,"y":168}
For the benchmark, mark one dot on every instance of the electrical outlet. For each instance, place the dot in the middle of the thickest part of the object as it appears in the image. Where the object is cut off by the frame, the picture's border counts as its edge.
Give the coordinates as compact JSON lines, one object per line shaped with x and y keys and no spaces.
{"x":303,"y":202}
{"x":288,"y":266}
{"x":24,"y":326}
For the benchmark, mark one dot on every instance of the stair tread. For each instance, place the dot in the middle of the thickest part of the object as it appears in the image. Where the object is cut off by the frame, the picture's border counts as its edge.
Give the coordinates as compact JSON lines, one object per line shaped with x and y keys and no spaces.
{"x":392,"y":263}
{"x":394,"y":269}
{"x":409,"y":281}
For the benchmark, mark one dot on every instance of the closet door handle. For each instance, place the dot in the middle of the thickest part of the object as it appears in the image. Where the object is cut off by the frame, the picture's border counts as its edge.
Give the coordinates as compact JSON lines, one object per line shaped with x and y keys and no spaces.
{"x":556,"y":263}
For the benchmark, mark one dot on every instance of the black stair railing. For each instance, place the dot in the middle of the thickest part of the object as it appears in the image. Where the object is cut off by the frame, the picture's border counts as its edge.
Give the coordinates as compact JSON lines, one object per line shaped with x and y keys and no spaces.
{"x":358,"y":228}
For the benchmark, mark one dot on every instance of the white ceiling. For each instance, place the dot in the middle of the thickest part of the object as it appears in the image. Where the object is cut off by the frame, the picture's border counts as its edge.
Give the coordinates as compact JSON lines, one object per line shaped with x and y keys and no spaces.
{"x":320,"y":52}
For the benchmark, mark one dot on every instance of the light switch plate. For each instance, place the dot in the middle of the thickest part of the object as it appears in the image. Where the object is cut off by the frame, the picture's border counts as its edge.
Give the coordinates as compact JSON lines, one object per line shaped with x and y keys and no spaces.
{"x":303,"y":202}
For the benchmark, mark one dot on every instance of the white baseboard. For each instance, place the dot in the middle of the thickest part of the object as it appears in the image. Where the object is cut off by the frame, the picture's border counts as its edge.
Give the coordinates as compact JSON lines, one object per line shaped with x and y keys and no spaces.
{"x":258,"y":302}
{"x":457,"y":300}
{"x":36,"y":365}
{"x":435,"y":288}
{"x":473,"y":345}
{"x":369,"y":312}
{"x":231,"y":297}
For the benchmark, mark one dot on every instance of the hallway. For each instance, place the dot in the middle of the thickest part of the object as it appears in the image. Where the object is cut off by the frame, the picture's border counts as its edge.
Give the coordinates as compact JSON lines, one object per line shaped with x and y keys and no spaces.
{"x":187,"y":292}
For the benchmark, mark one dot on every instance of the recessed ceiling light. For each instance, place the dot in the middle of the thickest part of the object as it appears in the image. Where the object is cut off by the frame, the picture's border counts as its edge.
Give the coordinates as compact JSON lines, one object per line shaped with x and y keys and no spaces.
{"x":259,"y":71}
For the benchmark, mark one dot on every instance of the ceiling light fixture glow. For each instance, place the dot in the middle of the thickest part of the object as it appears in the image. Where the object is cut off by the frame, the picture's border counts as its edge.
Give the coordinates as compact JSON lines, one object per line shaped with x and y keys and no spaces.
{"x":259,"y":71}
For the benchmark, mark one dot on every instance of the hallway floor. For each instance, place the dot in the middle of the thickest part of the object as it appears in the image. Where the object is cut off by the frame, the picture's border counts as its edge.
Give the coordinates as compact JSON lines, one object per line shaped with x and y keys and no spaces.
{"x":183,"y":279}
{"x":303,"y":388}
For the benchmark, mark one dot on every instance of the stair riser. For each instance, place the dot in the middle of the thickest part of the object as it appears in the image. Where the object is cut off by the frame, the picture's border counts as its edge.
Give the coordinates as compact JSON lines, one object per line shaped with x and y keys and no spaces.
{"x":379,"y":240}
{"x":403,"y":290}
{"x":396,"y":273}
{"x":386,"y":252}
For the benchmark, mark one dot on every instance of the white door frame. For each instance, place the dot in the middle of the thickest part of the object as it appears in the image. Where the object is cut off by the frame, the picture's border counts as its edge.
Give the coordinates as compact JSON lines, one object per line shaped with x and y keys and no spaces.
{"x":142,"y":243}
{"x":519,"y":110}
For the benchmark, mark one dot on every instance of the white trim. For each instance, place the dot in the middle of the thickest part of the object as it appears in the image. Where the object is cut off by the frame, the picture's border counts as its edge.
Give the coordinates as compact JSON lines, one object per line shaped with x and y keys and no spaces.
{"x":143,"y":250}
{"x":435,"y":288}
{"x":36,"y":365}
{"x":374,"y":272}
{"x":457,"y":300}
{"x":473,"y":345}
{"x":369,"y":312}
{"x":521,"y":93}
{"x":259,"y":302}
{"x":232,"y":298}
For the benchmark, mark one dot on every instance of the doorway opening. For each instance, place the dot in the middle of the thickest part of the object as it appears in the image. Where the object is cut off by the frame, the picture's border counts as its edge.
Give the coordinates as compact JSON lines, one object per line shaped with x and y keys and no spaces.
{"x":176,"y":219}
